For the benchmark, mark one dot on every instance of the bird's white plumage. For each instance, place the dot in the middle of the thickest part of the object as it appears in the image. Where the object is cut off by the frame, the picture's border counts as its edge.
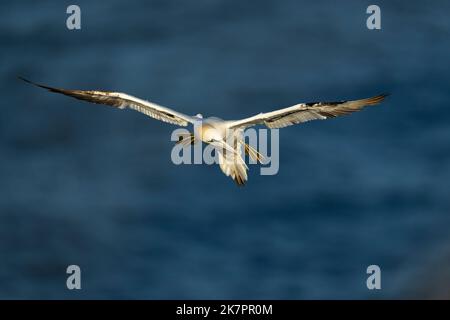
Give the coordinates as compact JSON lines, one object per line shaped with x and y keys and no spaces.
{"x":122,"y":100}
{"x":305,"y":112}
{"x":154,"y":110}
{"x":216,"y":131}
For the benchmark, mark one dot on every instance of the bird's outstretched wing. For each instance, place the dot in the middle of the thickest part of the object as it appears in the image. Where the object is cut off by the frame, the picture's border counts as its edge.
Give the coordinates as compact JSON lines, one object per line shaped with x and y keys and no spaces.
{"x":122,"y":101}
{"x":305,"y":112}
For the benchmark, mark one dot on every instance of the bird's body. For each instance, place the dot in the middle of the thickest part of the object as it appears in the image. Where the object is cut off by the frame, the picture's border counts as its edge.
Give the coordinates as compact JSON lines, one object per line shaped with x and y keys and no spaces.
{"x":225,"y":135}
{"x":209,"y":129}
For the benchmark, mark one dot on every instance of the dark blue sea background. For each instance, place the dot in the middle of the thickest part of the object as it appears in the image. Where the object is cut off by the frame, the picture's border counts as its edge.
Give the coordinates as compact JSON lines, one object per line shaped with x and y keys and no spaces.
{"x":90,"y":185}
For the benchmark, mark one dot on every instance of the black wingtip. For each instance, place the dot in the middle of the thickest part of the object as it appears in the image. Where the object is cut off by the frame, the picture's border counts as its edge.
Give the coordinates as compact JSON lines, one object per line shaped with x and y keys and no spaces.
{"x":383,"y":96}
{"x":31,"y":82}
{"x":23,"y":79}
{"x":37,"y":84}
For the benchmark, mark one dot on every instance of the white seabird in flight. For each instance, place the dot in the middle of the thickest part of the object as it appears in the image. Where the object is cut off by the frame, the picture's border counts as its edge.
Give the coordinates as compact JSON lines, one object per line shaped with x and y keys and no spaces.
{"x":216,"y":131}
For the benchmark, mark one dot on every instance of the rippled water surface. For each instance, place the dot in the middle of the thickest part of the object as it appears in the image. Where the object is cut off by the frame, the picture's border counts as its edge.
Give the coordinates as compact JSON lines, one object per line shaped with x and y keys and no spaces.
{"x":93,"y":186}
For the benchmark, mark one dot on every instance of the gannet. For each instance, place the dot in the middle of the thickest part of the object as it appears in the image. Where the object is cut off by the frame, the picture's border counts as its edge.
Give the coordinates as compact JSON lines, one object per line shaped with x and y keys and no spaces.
{"x":217,"y":132}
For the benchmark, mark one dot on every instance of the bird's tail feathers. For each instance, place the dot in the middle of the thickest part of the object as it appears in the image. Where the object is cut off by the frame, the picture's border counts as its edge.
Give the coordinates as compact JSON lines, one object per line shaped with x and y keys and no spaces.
{"x":234,"y":166}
